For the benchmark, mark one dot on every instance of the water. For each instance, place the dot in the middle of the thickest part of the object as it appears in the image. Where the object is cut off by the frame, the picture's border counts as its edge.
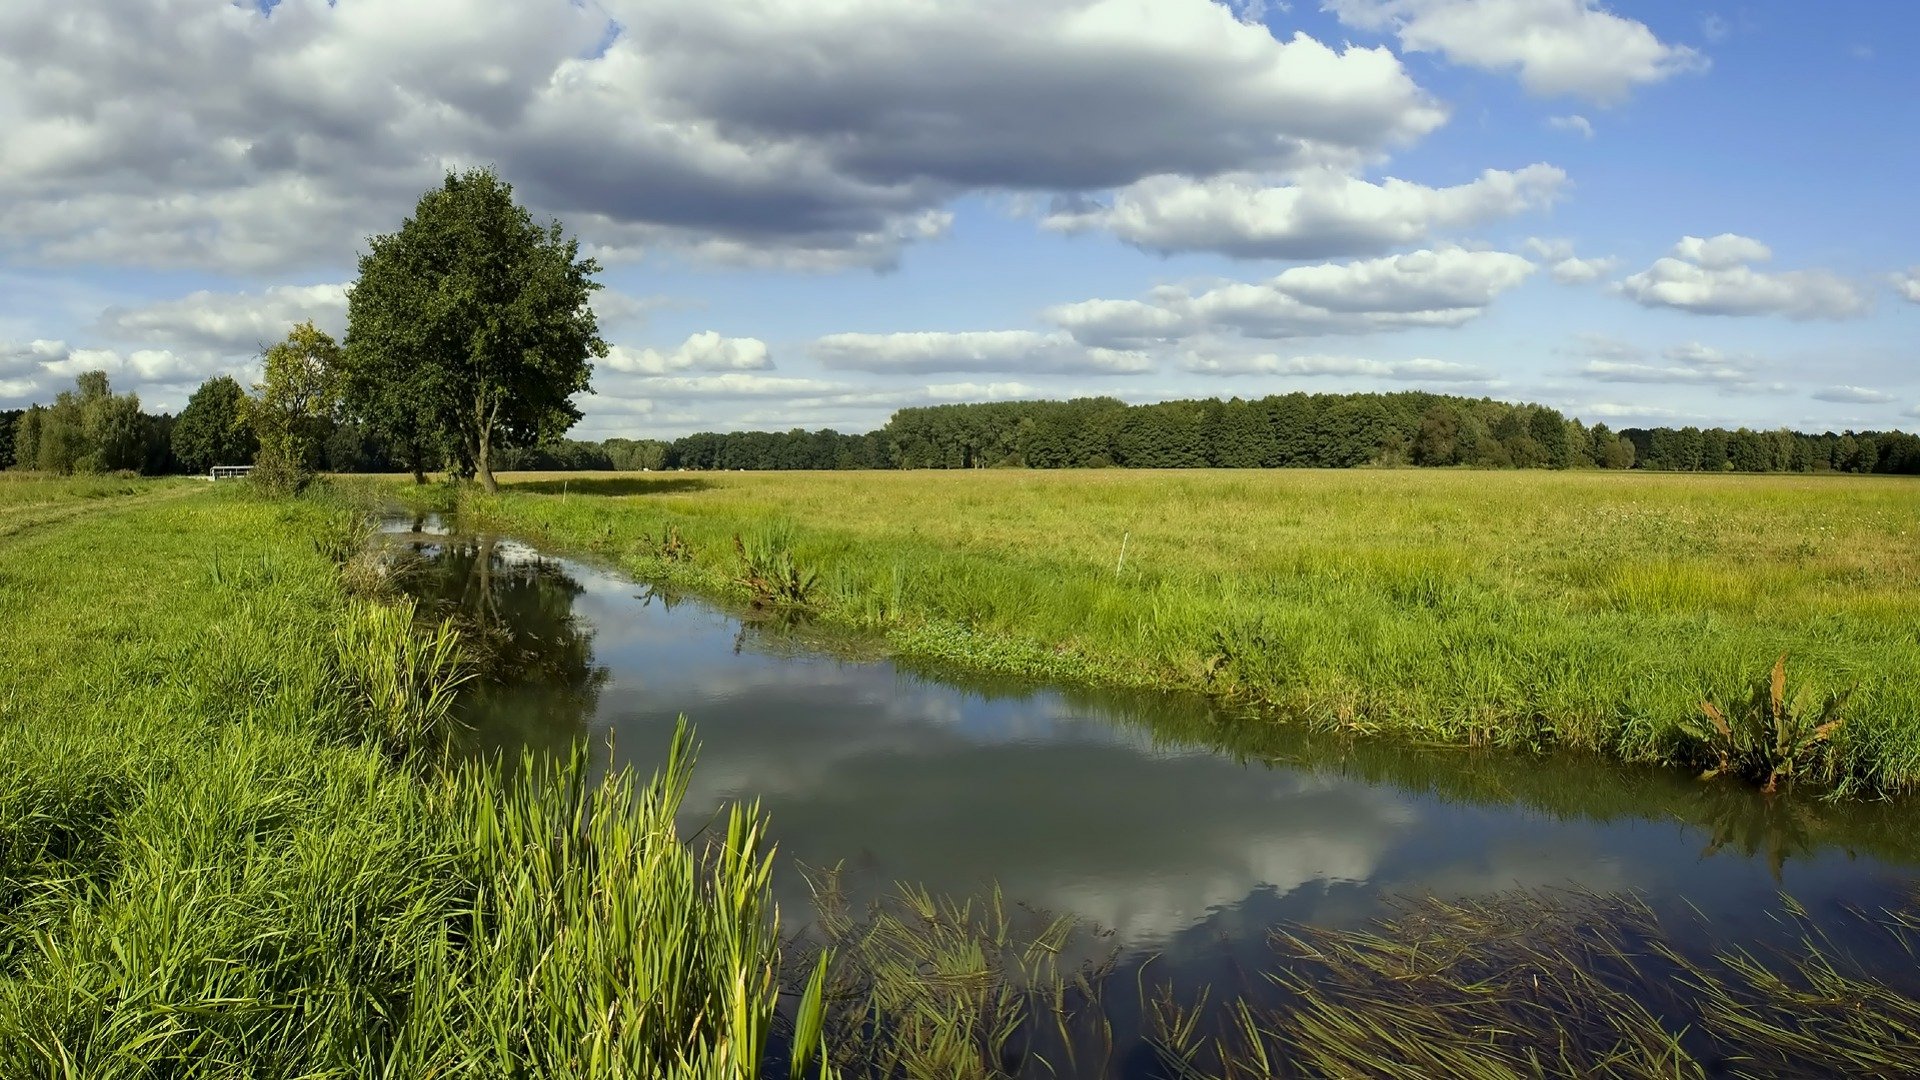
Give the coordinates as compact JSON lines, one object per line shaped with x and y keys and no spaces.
{"x":1184,"y":829}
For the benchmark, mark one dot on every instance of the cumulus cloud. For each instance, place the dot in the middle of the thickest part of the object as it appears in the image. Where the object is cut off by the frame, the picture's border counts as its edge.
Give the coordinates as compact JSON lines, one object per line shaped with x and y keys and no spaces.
{"x":1427,"y":288}
{"x":1714,"y":276}
{"x":1908,"y":284}
{"x":229,"y":323}
{"x":1575,"y":123}
{"x":705,"y":351}
{"x":37,"y":370}
{"x":1415,"y":370}
{"x":1320,"y":215}
{"x":1565,"y":267}
{"x":227,"y":136}
{"x":1571,"y":47}
{"x":1687,"y":364}
{"x":1853,"y":395}
{"x":1023,"y":351}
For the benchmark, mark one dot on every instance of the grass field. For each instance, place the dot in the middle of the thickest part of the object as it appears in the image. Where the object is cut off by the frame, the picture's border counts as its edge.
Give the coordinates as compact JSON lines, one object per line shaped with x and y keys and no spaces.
{"x":1513,"y":609}
{"x":227,"y":849}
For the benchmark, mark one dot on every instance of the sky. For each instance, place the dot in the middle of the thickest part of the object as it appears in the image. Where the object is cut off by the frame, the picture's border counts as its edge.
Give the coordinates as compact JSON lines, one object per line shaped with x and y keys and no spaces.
{"x":814,"y":213}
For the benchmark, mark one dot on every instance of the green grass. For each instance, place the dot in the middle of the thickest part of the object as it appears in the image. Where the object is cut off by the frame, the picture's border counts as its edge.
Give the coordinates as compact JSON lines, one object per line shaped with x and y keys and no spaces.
{"x":1520,"y":610}
{"x":227,"y":849}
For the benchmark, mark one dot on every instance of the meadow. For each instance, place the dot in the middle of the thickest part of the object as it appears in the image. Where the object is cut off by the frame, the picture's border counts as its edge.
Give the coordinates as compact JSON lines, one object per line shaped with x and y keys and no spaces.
{"x":1523,"y":610}
{"x":228,"y":847}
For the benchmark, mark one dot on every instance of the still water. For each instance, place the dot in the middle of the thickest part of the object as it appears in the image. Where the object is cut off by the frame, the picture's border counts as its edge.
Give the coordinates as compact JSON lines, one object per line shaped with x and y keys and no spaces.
{"x":1185,"y":830}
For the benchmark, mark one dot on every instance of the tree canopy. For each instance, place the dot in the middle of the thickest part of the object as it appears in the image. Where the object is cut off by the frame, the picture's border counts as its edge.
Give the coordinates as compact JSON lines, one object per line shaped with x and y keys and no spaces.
{"x":297,"y":402}
{"x":213,"y":429}
{"x":469,"y":329}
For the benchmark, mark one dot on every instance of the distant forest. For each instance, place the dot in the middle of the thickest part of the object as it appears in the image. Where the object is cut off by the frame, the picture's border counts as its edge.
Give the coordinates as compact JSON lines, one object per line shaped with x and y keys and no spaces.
{"x":1291,"y":431}
{"x":1282,"y":431}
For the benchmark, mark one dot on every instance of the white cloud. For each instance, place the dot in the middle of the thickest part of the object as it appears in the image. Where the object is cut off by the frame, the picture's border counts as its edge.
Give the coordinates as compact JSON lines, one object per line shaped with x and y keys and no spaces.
{"x":1425,"y":288}
{"x":1614,"y":410}
{"x":1565,"y":267}
{"x":38,"y":370}
{"x":1618,"y":371}
{"x":1575,"y":123}
{"x":1908,"y":284}
{"x":1575,"y":47}
{"x":1854,"y":395}
{"x":1322,"y":214}
{"x":705,"y":351}
{"x":1415,"y":370}
{"x":728,"y":385}
{"x":1024,"y":351}
{"x":230,"y":323}
{"x":30,"y":358}
{"x":1723,"y":252}
{"x":1711,"y":276}
{"x":140,"y":132}
{"x":1572,"y":271}
{"x":1687,"y":364}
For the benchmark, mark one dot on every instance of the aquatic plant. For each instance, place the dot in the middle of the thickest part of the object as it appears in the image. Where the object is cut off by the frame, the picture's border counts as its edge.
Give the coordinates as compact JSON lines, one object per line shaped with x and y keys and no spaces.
{"x":770,"y":574}
{"x":1770,"y":738}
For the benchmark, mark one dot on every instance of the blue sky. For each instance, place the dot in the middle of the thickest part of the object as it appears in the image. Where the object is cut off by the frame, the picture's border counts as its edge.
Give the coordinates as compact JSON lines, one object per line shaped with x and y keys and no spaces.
{"x":815,"y":213}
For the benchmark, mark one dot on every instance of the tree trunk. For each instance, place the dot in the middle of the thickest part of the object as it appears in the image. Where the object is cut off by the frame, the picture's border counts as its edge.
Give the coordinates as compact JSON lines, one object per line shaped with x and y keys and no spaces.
{"x":483,"y":446}
{"x":483,"y":463}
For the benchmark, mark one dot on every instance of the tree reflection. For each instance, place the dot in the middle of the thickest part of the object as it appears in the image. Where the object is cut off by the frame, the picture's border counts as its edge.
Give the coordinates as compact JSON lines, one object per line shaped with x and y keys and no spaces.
{"x":539,"y":682}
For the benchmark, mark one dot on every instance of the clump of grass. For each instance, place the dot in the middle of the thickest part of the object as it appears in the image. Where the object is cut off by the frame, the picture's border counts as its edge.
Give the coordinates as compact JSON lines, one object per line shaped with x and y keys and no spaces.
{"x":770,"y":574}
{"x":400,"y":679}
{"x":1771,"y":738}
{"x":600,"y":943}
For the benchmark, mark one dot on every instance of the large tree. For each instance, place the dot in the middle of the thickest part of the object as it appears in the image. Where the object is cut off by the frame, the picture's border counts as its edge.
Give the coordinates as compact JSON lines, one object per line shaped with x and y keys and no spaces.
{"x":470,"y":327}
{"x":213,"y":428}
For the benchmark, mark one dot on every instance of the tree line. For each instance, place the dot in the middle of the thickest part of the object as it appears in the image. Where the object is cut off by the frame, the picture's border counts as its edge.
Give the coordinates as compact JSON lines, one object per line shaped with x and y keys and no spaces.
{"x":468,"y":333}
{"x":1288,"y":431}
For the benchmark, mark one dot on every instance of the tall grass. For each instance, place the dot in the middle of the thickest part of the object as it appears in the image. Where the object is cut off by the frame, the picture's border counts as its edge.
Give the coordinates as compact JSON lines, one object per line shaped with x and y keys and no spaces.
{"x":224,"y":852}
{"x":1516,"y":610}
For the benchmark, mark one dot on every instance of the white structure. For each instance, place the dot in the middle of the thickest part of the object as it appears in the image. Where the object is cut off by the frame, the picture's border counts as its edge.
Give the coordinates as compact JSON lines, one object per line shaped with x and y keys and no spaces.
{"x":229,"y":472}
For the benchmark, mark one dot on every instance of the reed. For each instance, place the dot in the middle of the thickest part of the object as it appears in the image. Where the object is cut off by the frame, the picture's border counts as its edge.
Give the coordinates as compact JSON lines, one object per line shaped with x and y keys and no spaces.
{"x":226,"y":850}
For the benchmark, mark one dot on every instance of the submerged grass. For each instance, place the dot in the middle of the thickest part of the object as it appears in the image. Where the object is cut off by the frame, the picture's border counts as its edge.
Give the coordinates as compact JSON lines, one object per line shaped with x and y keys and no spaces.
{"x":1515,"y":610}
{"x":227,"y":847}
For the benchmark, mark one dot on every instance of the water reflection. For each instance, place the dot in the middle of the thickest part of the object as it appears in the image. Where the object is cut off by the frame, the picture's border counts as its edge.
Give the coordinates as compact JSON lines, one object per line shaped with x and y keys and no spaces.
{"x":516,"y":613}
{"x":1180,"y":826}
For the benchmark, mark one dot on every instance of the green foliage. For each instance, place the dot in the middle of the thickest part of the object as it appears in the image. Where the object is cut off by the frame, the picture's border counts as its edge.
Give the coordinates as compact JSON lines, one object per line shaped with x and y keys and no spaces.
{"x":1291,"y":431}
{"x":469,"y":328}
{"x":293,"y":408}
{"x":1771,"y":737}
{"x":9,"y":432}
{"x":214,"y":428}
{"x":88,"y":429}
{"x":767,"y":569}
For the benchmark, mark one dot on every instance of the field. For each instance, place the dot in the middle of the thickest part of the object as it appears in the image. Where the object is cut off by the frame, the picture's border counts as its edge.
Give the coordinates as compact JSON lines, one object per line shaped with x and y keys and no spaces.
{"x":228,"y":849}
{"x":1523,"y":610}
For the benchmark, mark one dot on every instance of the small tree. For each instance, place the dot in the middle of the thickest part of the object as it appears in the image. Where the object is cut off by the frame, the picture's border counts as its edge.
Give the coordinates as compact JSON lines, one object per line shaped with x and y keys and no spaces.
{"x":297,"y":401}
{"x":470,"y":327}
{"x":213,"y":429}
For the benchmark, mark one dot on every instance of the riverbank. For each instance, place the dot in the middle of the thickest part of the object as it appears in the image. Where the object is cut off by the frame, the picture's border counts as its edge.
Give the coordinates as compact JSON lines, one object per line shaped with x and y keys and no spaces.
{"x":1593,"y":611}
{"x":227,"y":847}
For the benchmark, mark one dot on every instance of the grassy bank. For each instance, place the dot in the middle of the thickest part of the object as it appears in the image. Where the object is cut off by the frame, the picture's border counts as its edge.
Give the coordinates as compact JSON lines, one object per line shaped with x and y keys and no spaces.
{"x":1517,"y":610}
{"x":227,"y":849}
